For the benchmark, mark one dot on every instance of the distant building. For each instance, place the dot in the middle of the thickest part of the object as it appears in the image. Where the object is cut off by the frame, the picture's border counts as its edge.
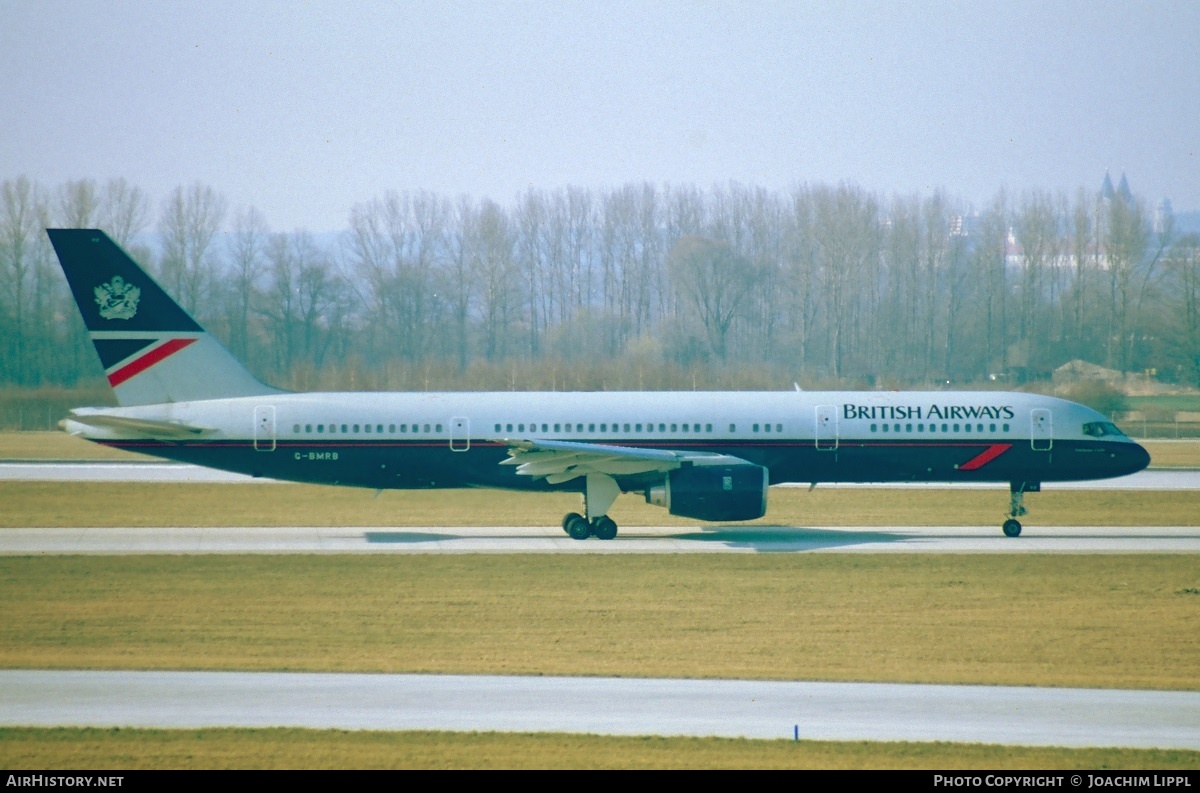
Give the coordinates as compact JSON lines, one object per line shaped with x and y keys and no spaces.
{"x":1080,"y":370}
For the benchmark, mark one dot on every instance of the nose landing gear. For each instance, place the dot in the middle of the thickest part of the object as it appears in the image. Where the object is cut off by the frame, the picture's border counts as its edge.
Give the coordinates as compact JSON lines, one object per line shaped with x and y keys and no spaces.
{"x":1016,"y":505}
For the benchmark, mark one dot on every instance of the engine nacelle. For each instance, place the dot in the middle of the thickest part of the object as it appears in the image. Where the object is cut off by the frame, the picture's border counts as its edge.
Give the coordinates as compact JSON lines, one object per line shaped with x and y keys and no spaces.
{"x":713,"y":492}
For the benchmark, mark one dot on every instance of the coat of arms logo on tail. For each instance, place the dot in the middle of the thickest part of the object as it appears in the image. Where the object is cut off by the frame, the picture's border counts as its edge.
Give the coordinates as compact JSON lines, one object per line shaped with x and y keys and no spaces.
{"x":117,"y":299}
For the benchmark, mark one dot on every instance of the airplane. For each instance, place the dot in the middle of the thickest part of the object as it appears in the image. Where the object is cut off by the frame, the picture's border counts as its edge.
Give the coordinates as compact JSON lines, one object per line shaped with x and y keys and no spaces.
{"x":709,"y":456}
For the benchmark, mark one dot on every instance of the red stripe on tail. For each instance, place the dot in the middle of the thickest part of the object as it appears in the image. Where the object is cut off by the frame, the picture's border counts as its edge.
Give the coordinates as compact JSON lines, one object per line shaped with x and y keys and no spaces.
{"x":146,"y":361}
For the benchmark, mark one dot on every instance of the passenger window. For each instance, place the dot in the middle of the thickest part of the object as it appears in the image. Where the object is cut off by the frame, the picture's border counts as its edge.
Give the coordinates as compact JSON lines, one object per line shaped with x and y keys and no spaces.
{"x":1006,"y":428}
{"x":343,"y":428}
{"x":379,"y":428}
{"x":674,"y":428}
{"x":509,"y":428}
{"x":591,"y":428}
{"x":520,"y":428}
{"x":766,"y":428}
{"x":956,"y":428}
{"x":920,"y":428}
{"x":356,"y":428}
{"x":991,"y":428}
{"x":967,"y":427}
{"x":908,"y":428}
{"x":367,"y":427}
{"x":333,"y":428}
{"x":733,"y":428}
{"x":627,"y":427}
{"x":497,"y":428}
{"x":558,"y":428}
{"x":708,"y":428}
{"x":320,"y":428}
{"x":439,"y":428}
{"x":392,"y":428}
{"x":885,"y":428}
{"x":639,"y":428}
{"x":663,"y":427}
{"x":604,"y":428}
{"x":685,"y":428}
{"x":873,"y":427}
{"x":308,"y":428}
{"x":296,"y":428}
{"x":754,"y":427}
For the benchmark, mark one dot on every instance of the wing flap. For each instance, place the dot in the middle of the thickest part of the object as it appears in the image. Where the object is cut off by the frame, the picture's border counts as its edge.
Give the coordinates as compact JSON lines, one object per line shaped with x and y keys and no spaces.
{"x":562,"y":461}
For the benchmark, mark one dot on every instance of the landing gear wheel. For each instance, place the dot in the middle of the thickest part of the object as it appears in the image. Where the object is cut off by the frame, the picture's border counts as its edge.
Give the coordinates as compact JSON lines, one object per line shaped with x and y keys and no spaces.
{"x":1012,"y":528}
{"x":570,"y":516}
{"x":604,"y":527}
{"x":577,"y":528}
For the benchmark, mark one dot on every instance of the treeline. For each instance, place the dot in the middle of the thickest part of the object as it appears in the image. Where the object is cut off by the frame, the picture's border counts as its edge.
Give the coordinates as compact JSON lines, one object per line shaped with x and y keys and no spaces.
{"x":639,"y":286}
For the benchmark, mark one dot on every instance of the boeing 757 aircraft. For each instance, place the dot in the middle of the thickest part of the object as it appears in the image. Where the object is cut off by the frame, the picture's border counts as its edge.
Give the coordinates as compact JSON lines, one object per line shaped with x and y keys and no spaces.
{"x":704,"y":455}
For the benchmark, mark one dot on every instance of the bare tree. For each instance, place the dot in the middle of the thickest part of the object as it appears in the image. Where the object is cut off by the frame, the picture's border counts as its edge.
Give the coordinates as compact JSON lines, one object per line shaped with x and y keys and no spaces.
{"x":78,"y":204}
{"x":247,"y":256}
{"x":124,"y":211}
{"x":22,"y":212}
{"x":190,"y":221}
{"x":716,"y":282}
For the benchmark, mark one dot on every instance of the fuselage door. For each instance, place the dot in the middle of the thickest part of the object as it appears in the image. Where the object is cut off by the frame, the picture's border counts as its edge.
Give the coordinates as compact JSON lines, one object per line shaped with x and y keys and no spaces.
{"x":827,"y":427}
{"x":1041,"y":430}
{"x":264,"y":428}
{"x":460,"y":434}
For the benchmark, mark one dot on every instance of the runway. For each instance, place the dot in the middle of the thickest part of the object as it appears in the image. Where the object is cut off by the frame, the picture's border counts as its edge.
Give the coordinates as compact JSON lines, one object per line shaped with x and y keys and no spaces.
{"x":611,"y":706}
{"x":168,"y":472}
{"x":645,"y":539}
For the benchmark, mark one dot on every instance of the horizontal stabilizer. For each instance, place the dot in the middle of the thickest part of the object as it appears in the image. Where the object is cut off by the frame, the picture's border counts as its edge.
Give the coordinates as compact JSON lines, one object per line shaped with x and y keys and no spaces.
{"x":148,"y":428}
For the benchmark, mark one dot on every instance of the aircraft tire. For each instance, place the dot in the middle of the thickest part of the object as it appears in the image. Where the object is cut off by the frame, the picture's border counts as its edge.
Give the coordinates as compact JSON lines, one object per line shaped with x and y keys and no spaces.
{"x":605,"y":528}
{"x":578,"y":528}
{"x":1012,"y":528}
{"x":570,"y":516}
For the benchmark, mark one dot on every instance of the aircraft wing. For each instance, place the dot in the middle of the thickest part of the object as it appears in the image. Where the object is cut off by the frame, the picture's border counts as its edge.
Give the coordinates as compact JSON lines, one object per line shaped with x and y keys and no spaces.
{"x":562,"y":461}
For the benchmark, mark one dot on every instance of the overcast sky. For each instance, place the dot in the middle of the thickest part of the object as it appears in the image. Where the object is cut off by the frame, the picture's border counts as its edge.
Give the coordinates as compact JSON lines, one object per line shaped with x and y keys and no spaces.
{"x":304,"y":109}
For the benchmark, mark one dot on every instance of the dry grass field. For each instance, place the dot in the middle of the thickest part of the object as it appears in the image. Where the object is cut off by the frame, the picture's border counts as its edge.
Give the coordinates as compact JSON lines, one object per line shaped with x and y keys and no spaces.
{"x":1089,"y":620}
{"x":312,"y":749}
{"x":1107,"y":621}
{"x":48,"y":504}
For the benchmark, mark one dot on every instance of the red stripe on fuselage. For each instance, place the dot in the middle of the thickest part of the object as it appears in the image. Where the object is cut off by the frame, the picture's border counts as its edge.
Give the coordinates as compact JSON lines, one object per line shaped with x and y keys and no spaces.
{"x":146,"y":361}
{"x":991,"y":453}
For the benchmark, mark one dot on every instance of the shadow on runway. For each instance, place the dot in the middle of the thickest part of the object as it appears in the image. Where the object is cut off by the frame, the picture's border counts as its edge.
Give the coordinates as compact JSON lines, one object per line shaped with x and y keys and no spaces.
{"x":407,"y":537}
{"x":784,"y":539}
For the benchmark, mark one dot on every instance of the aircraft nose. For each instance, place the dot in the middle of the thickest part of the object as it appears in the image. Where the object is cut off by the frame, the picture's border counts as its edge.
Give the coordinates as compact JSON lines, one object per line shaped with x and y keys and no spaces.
{"x":1133,"y":459}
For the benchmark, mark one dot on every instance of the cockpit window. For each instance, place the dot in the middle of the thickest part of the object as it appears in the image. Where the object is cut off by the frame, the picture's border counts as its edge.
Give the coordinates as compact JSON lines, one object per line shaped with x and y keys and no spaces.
{"x":1101,"y":429}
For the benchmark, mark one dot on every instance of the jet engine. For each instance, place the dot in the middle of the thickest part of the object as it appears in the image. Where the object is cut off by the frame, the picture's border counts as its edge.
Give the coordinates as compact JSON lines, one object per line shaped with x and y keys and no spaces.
{"x":713,"y":492}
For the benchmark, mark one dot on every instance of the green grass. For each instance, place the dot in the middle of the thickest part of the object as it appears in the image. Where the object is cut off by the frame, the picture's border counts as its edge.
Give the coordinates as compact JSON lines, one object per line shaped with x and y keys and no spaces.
{"x":1091,"y":621}
{"x":1165,"y":402}
{"x":125,"y":749}
{"x":98,"y":504}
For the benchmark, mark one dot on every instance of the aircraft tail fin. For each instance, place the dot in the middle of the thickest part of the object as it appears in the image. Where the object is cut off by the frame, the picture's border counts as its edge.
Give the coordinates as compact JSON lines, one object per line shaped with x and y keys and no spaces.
{"x":152,"y":350}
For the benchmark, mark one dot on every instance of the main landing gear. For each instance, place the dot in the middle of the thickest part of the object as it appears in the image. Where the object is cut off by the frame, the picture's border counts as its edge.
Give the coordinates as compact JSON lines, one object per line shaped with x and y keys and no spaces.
{"x":600,"y":493}
{"x":1016,"y":505}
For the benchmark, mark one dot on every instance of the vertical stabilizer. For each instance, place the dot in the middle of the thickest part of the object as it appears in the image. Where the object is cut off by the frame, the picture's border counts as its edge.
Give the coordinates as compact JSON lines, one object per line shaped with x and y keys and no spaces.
{"x":152,"y":351}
